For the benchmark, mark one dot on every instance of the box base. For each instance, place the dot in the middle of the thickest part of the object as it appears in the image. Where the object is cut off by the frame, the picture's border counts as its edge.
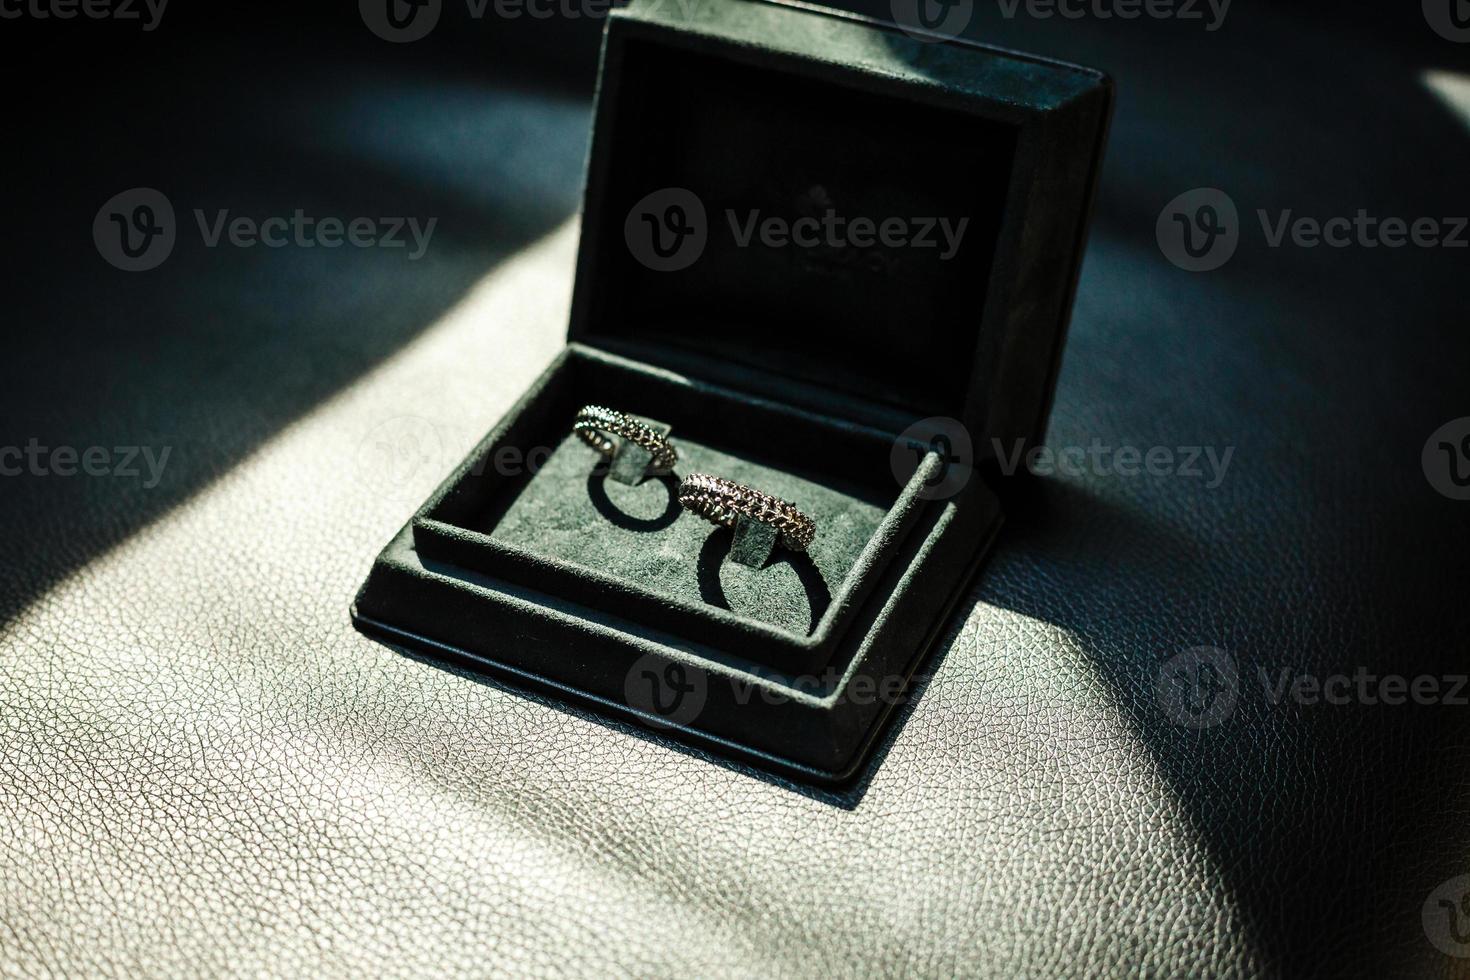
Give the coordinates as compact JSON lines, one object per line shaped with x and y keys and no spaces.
{"x":456,"y":583}
{"x":785,"y":726}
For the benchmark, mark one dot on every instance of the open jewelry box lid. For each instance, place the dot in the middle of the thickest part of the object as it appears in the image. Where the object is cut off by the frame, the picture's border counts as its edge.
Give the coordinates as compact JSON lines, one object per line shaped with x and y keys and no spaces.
{"x":944,"y":186}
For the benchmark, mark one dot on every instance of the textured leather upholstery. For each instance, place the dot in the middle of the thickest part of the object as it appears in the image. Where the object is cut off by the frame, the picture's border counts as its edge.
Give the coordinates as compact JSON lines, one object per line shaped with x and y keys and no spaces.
{"x":203,"y":768}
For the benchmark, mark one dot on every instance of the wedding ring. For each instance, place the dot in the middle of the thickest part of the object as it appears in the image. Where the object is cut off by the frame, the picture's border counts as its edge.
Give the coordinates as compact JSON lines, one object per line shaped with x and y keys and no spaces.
{"x":601,"y":427}
{"x":724,"y":502}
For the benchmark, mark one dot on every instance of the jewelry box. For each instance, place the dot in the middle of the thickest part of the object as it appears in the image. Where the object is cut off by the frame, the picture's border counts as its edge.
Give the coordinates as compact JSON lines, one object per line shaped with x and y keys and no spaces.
{"x":827,"y":253}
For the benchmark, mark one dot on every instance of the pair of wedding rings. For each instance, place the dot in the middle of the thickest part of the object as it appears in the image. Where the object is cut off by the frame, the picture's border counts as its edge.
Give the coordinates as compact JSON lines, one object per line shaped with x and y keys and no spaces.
{"x":721,"y":502}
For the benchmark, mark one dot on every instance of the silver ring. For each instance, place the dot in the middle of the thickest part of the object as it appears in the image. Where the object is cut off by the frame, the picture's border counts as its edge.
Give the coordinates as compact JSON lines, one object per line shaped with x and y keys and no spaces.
{"x":601,"y":427}
{"x":724,"y":502}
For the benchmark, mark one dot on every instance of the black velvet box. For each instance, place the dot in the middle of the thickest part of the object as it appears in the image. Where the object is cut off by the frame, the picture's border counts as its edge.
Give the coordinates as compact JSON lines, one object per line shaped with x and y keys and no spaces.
{"x":829,"y":254}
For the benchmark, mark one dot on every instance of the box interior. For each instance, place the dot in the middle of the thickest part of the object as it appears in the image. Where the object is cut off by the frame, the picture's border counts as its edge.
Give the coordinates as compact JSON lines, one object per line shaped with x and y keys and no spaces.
{"x":891,"y":324}
{"x":534,"y":490}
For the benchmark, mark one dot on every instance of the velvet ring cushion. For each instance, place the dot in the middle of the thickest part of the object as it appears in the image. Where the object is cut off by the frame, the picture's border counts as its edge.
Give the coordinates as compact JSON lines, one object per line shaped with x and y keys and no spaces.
{"x":724,"y":502}
{"x":600,"y":427}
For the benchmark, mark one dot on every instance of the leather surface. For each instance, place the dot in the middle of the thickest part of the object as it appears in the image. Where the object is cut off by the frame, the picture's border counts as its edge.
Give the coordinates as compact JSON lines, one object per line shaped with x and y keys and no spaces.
{"x":204,"y":769}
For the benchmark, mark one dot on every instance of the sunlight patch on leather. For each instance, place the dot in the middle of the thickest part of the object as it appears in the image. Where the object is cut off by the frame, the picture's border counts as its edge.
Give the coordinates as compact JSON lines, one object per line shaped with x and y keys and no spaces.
{"x":1453,"y":89}
{"x":395,"y":433}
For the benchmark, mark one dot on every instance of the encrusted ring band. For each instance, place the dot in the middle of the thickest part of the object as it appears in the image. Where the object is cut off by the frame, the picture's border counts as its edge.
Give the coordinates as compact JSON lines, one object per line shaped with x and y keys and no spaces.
{"x":597,"y":427}
{"x":723,"y":502}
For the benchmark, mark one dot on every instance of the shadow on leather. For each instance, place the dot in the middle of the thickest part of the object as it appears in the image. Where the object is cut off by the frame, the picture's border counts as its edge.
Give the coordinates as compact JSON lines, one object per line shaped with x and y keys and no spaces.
{"x":181,"y":371}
